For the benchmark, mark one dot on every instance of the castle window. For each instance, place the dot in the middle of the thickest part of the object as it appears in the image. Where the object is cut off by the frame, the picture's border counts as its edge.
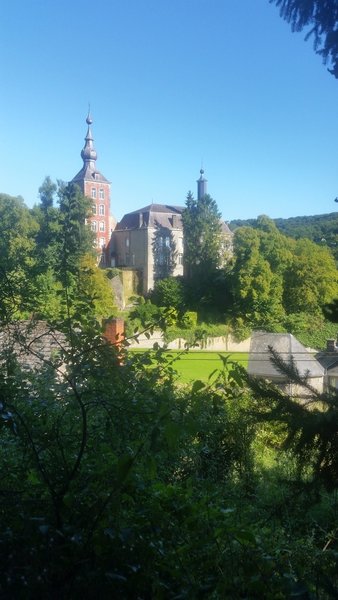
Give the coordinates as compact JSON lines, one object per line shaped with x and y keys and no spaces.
{"x":102,"y":242}
{"x":101,"y":226}
{"x":101,"y":209}
{"x":93,"y":226}
{"x":180,"y":259}
{"x":127,"y":242}
{"x":101,"y":194}
{"x":93,"y":192}
{"x":94,"y":209}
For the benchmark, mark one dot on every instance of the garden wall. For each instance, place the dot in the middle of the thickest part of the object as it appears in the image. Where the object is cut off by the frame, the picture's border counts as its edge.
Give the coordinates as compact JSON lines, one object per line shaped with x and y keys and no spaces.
{"x":214,"y":344}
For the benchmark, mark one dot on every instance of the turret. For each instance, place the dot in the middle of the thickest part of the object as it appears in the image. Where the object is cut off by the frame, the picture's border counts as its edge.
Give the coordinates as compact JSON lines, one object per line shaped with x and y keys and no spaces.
{"x":201,"y":185}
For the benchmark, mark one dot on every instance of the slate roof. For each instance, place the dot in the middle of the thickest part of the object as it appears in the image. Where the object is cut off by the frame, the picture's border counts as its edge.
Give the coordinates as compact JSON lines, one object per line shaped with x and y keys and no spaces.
{"x":32,"y":342}
{"x":225,"y":228}
{"x":161,"y":215}
{"x":151,"y":216}
{"x":329,"y":361}
{"x":89,"y":174}
{"x":287,"y":346}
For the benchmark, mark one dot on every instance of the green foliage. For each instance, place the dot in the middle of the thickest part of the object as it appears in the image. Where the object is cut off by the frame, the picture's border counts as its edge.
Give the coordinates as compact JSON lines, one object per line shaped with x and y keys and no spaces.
{"x":17,"y":251}
{"x":311,"y":330}
{"x":145,"y":312}
{"x":319,"y":19}
{"x":311,"y":280}
{"x":202,"y":236}
{"x":321,"y":229}
{"x":189,"y":319}
{"x":112,"y":272}
{"x":169,"y":292}
{"x":274,"y":279}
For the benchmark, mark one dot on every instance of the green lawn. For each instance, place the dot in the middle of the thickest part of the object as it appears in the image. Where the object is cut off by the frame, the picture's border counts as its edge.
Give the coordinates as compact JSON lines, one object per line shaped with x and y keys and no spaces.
{"x":199,"y":365}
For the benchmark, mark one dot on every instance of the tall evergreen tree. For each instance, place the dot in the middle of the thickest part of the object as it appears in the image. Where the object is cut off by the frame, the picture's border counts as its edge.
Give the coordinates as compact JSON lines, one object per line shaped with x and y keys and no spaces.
{"x":320,"y":19}
{"x":202,"y":236}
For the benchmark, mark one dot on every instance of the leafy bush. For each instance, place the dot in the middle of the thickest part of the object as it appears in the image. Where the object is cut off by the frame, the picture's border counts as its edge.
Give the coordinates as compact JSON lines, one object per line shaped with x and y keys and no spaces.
{"x":189,"y":320}
{"x":169,"y":292}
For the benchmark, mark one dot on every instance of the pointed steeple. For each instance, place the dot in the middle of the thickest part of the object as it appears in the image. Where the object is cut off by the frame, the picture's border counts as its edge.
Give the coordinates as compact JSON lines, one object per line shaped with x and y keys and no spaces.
{"x":89,"y":157}
{"x":201,"y":185}
{"x":88,"y":153}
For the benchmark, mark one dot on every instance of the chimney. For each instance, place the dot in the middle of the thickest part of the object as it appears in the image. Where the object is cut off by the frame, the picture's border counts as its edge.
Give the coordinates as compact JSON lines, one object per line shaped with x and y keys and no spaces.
{"x":114,"y":331}
{"x":330,"y":346}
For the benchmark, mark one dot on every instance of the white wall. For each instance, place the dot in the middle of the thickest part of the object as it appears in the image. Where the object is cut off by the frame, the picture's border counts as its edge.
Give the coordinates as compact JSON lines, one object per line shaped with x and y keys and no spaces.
{"x":215,"y":344}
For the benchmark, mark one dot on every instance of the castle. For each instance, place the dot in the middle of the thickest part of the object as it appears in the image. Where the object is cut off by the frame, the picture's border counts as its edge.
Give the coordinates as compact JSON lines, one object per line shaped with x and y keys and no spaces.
{"x":149,"y":240}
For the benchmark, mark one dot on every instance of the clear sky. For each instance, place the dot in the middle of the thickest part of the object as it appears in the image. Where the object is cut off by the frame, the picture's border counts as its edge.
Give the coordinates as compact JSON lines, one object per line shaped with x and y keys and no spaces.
{"x":172,"y":84}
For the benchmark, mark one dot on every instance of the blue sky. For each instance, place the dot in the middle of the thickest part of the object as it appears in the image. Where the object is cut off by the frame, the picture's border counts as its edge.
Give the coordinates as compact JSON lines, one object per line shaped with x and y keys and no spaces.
{"x":171,"y":83}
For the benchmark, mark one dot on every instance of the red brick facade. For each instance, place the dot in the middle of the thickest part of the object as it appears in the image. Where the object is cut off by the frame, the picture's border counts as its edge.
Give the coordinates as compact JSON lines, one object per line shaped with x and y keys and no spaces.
{"x":114,"y":331}
{"x":99,"y":193}
{"x":96,"y":187}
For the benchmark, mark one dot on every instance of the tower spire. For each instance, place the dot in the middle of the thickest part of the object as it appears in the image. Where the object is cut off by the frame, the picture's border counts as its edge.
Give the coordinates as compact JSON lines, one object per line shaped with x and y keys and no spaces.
{"x":88,"y":153}
{"x":201,"y":185}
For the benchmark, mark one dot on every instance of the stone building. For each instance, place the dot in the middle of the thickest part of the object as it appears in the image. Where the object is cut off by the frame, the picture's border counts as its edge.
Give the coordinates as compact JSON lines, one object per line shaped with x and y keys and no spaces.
{"x":148,"y":241}
{"x":291,"y":351}
{"x":96,"y":187}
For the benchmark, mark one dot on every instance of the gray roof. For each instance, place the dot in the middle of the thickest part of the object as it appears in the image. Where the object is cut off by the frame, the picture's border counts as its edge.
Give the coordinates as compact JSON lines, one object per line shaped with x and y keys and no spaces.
{"x":225,"y":228}
{"x":88,"y":173}
{"x":329,"y":361}
{"x":32,"y":342}
{"x":287,"y":346}
{"x":153,"y":215}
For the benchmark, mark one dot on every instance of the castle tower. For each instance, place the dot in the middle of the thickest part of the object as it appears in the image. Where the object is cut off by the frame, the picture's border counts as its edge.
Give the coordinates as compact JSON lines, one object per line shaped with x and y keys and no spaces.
{"x":96,"y":187}
{"x":201,"y":186}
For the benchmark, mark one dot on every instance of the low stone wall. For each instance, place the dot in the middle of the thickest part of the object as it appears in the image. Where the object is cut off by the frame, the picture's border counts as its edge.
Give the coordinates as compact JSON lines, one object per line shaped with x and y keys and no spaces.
{"x":212,"y":344}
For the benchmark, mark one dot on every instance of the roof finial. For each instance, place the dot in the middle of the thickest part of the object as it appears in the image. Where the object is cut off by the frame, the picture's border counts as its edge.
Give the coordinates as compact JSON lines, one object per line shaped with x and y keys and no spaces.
{"x":88,"y":153}
{"x":89,"y":119}
{"x":201,"y":184}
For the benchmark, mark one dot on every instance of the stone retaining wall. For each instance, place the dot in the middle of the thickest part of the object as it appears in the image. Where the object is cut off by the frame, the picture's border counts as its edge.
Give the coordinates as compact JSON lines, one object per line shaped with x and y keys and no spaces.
{"x":212,"y":344}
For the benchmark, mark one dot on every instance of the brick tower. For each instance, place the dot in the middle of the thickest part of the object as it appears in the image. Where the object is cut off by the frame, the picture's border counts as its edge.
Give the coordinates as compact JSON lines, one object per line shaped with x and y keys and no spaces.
{"x":96,"y":187}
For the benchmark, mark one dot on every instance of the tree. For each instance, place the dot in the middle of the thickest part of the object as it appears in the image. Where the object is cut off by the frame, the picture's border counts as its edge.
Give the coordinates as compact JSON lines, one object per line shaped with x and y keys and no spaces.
{"x":311,"y":280}
{"x":320,"y":18}
{"x":18,"y":229}
{"x":202,"y":236}
{"x":95,"y":286}
{"x":257,"y":288}
{"x":76,"y":237}
{"x":169,"y":292}
{"x":48,"y":218}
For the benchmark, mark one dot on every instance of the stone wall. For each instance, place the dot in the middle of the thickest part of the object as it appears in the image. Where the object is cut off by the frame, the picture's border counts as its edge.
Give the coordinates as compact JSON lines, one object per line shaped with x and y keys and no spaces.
{"x":212,"y":344}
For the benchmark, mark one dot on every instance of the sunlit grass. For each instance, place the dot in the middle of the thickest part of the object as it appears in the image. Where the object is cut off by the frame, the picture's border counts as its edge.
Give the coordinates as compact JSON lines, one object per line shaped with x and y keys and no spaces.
{"x":199,"y":365}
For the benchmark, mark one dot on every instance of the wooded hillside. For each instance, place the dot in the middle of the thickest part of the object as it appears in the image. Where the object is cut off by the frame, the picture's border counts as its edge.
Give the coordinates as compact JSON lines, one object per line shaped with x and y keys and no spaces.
{"x":322,"y":229}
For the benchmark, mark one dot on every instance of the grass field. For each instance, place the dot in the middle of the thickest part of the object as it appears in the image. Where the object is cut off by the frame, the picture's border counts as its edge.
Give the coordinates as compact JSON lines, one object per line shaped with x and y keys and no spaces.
{"x":198,"y":365}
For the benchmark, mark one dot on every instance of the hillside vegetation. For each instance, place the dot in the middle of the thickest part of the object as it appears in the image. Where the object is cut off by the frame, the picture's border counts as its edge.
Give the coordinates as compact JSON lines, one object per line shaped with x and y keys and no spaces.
{"x":322,"y":229}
